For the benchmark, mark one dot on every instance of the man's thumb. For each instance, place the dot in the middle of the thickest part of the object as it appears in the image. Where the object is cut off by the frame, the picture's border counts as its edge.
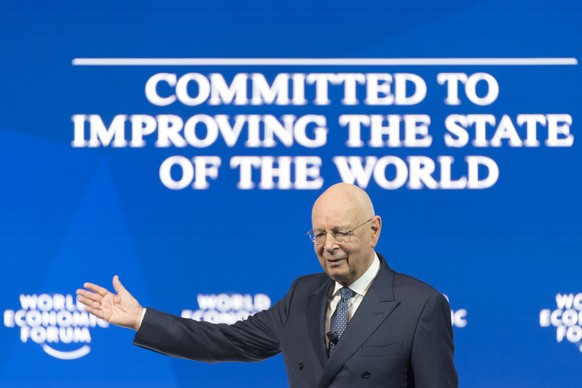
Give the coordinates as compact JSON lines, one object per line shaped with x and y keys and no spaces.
{"x":117,"y":284}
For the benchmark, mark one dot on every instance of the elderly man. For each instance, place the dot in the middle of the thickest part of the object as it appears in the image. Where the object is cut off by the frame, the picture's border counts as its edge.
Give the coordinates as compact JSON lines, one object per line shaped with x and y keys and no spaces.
{"x":360,"y":324}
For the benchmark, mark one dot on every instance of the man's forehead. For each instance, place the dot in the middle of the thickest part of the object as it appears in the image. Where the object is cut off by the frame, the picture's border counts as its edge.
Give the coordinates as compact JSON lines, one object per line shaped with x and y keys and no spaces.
{"x":334,"y":216}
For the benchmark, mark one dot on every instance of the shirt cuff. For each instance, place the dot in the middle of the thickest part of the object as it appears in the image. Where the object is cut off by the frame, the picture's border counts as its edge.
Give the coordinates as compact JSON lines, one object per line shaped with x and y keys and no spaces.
{"x":143,"y":313}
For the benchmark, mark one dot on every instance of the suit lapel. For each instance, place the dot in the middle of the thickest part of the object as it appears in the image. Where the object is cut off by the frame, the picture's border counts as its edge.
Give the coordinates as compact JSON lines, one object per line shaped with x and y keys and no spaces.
{"x":375,"y":308}
{"x":316,"y":308}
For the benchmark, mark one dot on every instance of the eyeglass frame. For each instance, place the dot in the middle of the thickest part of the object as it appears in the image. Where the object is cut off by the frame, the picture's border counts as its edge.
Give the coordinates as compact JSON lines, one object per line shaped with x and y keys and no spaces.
{"x":346,"y":236}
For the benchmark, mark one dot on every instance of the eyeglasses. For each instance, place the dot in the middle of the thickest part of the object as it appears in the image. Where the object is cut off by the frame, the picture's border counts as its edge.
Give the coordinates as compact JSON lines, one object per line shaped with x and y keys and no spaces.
{"x":318,"y":237}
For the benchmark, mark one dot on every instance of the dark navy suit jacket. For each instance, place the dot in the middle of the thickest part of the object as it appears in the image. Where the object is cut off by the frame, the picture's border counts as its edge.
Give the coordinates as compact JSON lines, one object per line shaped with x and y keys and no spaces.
{"x":400,"y":336}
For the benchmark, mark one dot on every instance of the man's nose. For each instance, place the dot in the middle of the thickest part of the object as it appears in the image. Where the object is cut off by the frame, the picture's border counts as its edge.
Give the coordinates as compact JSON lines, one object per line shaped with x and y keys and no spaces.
{"x":330,"y":242}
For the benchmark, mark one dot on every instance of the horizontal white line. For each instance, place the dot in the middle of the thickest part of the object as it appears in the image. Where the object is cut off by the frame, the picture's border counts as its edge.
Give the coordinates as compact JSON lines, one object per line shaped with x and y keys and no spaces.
{"x":324,"y":61}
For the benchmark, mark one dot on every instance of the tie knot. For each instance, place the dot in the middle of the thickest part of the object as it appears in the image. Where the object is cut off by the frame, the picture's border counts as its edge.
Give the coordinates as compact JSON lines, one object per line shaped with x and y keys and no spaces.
{"x":346,"y":293}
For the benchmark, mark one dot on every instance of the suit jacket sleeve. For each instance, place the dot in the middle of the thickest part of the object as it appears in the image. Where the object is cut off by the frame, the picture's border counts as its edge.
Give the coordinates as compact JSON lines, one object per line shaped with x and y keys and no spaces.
{"x":253,"y":339}
{"x":432,"y":350}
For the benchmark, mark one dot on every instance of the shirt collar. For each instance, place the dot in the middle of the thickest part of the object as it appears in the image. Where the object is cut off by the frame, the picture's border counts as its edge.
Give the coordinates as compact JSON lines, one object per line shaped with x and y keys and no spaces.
{"x":361,"y":285}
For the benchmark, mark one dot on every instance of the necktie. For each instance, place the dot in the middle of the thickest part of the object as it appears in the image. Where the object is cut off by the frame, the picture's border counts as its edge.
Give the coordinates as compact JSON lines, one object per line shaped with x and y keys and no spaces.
{"x":339,"y":319}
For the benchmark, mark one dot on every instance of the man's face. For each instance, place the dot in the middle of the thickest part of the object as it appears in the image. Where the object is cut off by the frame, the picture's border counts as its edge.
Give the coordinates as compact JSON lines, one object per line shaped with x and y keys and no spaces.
{"x":344,"y":262}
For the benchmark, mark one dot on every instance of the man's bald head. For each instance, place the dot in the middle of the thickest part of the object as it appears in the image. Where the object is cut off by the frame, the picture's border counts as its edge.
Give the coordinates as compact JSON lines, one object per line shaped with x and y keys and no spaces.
{"x":347,"y":198}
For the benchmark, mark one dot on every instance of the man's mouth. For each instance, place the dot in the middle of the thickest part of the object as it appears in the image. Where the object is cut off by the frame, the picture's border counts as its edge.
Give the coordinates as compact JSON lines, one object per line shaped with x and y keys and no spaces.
{"x":335,"y":262}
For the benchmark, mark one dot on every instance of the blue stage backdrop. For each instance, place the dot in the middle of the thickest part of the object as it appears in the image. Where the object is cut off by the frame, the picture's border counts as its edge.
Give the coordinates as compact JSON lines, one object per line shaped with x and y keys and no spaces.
{"x":181,"y":144}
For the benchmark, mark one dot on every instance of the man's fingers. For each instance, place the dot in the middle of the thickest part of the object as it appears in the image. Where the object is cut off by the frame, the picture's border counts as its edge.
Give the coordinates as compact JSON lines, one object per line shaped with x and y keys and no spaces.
{"x":97,"y":312}
{"x":89,"y":295}
{"x":95,"y":288}
{"x":88,"y":302}
{"x":92,"y":303}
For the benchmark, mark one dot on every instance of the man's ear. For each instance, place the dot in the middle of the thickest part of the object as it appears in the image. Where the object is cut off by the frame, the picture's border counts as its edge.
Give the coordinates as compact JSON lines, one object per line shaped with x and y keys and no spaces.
{"x":376,"y":226}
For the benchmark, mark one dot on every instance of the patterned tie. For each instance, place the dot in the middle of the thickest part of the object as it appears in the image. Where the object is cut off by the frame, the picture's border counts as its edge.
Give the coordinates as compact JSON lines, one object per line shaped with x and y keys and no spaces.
{"x":339,"y":319}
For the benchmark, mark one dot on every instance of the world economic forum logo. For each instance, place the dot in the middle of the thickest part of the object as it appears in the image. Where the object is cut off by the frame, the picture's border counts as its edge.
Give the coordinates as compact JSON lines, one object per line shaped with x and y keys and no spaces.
{"x":56,"y":322}
{"x":566,"y":318}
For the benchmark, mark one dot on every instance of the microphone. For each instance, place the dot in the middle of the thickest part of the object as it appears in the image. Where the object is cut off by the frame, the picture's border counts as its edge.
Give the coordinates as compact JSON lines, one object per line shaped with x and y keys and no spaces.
{"x":332,"y":337}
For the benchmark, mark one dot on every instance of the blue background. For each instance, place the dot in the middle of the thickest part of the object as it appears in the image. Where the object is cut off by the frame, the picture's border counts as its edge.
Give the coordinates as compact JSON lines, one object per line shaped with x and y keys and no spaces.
{"x":70,"y":215}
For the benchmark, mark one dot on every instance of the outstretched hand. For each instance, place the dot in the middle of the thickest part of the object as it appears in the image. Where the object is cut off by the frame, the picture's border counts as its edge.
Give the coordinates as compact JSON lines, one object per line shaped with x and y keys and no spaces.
{"x":121,"y":309}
